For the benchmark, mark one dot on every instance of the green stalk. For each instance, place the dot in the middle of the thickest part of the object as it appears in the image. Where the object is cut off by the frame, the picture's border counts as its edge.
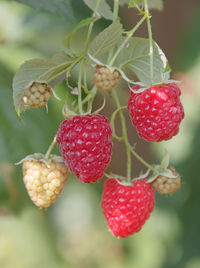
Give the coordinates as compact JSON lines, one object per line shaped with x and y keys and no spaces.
{"x":50,"y":148}
{"x":125,"y":136}
{"x":150,"y":41}
{"x":142,"y":160}
{"x":116,"y":10}
{"x":79,"y":90}
{"x":130,"y":33}
{"x":91,"y":26}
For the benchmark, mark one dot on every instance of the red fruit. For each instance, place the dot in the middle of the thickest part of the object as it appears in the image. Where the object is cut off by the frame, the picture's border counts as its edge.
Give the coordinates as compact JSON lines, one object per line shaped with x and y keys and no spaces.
{"x":156,"y":112}
{"x":86,"y":146}
{"x":126,"y":208}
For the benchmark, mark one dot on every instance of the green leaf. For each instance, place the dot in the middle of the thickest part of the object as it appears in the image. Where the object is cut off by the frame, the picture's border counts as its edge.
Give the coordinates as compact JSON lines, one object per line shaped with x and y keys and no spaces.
{"x":152,"y":4}
{"x":155,"y":4}
{"x":40,"y":70}
{"x":60,"y":7}
{"x":104,"y":9}
{"x":67,"y":40}
{"x":106,"y":39}
{"x":136,"y":58}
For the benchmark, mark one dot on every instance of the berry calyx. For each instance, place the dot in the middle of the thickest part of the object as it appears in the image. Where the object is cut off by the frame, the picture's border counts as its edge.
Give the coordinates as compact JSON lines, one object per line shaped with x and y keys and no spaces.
{"x":44,"y":183}
{"x":104,"y":79}
{"x":166,"y":185}
{"x":156,"y":112}
{"x":126,"y":208}
{"x":37,"y":95}
{"x":86,"y":145}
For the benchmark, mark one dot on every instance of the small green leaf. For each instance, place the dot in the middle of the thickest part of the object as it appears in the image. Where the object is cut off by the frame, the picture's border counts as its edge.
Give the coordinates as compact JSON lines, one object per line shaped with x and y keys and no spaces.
{"x":136,"y":58}
{"x":106,"y":39}
{"x":37,"y":69}
{"x":67,"y":40}
{"x":104,"y":9}
{"x":152,"y":4}
{"x":132,"y":3}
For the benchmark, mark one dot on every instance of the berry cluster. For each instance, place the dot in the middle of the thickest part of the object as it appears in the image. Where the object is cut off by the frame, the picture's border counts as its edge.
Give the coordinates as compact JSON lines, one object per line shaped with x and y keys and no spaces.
{"x":86,"y":146}
{"x":85,"y":138}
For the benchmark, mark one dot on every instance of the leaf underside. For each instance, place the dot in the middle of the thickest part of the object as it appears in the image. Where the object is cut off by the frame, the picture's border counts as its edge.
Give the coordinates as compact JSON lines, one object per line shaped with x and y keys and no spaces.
{"x":40,"y":70}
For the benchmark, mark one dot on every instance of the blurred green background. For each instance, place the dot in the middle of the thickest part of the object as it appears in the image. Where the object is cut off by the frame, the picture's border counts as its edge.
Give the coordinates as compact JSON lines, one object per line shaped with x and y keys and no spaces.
{"x":72,"y":232}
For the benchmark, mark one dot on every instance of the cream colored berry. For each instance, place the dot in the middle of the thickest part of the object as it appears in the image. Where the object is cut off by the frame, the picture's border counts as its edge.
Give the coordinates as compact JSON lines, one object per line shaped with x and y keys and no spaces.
{"x":105,"y":79}
{"x":165,"y":185}
{"x":37,"y":95}
{"x":44,"y":184}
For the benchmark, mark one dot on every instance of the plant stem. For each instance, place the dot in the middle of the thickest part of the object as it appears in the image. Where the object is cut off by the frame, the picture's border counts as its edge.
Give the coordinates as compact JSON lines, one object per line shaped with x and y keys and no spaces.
{"x":141,"y":159}
{"x":79,"y":90}
{"x":125,"y":136}
{"x":116,"y":10}
{"x":130,"y":33}
{"x":50,"y":148}
{"x":91,"y":26}
{"x":150,"y":41}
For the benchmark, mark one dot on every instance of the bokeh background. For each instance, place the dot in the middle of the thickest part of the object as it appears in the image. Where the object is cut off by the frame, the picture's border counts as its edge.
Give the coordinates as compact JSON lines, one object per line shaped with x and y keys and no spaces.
{"x":72,"y":232}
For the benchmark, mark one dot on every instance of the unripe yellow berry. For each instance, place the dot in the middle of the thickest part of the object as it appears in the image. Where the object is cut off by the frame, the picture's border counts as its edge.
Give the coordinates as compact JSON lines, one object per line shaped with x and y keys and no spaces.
{"x":44,"y":184}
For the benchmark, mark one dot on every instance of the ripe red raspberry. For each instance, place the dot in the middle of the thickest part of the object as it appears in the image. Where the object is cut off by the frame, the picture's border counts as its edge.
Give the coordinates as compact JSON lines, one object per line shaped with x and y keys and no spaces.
{"x":167,"y":185}
{"x":156,"y":112}
{"x":104,"y":79}
{"x":37,"y":95}
{"x":44,"y":183}
{"x":86,"y":145}
{"x":126,"y":208}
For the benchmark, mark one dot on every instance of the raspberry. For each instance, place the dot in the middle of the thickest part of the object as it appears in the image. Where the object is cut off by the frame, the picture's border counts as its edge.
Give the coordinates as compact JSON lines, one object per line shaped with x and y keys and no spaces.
{"x":165,"y":185}
{"x":105,"y":79}
{"x":86,"y":145}
{"x":156,"y":112}
{"x":126,"y":208}
{"x":44,"y":183}
{"x":37,"y":95}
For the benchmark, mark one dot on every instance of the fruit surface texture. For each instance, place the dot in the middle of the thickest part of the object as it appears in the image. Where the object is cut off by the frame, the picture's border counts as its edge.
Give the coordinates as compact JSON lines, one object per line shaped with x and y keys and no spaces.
{"x":105,"y":79}
{"x":44,"y":183}
{"x":86,"y":146}
{"x":37,"y":95}
{"x":126,"y":208}
{"x":156,"y":112}
{"x":165,"y":185}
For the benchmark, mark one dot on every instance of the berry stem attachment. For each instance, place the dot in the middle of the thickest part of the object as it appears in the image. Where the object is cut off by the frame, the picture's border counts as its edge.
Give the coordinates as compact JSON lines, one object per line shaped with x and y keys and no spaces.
{"x":79,"y":90}
{"x":50,"y":148}
{"x":129,"y":35}
{"x":141,"y":159}
{"x":112,"y":122}
{"x":150,"y":41}
{"x":125,"y":136}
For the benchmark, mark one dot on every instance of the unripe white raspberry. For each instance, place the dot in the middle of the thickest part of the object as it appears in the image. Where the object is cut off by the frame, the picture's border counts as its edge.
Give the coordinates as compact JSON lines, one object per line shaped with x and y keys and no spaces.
{"x":165,"y":185}
{"x":44,"y":183}
{"x":105,"y":79}
{"x":37,"y":95}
